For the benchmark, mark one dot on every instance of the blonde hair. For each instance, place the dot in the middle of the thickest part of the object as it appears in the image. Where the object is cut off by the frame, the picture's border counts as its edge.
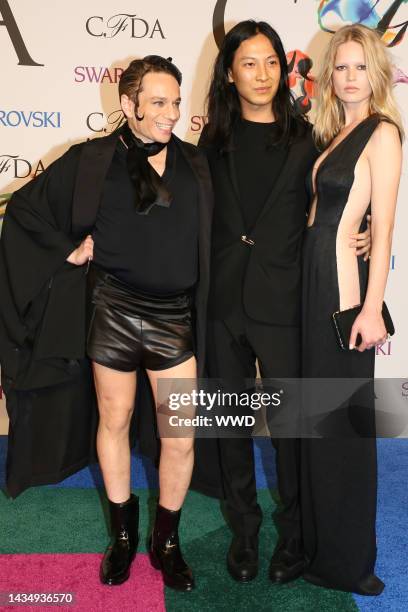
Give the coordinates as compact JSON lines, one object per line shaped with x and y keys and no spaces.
{"x":330,"y":112}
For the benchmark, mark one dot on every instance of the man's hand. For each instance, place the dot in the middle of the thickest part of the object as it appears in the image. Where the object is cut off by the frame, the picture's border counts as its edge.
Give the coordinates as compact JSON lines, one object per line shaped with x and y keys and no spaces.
{"x":362,"y":242}
{"x":83,"y":253}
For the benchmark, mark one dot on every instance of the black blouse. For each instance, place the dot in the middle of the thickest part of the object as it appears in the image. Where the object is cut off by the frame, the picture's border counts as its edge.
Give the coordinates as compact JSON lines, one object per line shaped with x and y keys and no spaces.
{"x":156,"y":253}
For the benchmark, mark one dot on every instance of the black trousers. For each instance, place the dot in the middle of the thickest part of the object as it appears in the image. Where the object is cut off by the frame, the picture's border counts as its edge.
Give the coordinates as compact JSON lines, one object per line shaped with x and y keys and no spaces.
{"x":233,"y":347}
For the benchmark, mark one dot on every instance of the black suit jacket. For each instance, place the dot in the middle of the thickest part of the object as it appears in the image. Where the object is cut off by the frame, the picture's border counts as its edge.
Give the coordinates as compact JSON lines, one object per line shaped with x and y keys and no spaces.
{"x":265,"y":275}
{"x":45,"y":372}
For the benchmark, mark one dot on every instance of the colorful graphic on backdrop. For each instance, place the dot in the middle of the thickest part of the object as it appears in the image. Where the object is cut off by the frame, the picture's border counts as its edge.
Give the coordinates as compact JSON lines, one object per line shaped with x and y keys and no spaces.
{"x":384,"y":16}
{"x":301,"y":80}
{"x":376,"y":14}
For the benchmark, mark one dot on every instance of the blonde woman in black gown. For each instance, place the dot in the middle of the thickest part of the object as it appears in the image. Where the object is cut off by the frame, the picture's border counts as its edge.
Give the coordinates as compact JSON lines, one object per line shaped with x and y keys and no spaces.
{"x":359,"y":130}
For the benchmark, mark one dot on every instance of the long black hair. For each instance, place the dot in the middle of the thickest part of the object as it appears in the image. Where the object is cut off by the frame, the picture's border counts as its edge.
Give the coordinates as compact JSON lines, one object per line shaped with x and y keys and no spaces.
{"x":223,"y":100}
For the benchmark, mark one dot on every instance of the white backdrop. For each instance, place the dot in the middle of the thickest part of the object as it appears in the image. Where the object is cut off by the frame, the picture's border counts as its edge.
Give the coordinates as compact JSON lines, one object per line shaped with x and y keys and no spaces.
{"x":79,"y":49}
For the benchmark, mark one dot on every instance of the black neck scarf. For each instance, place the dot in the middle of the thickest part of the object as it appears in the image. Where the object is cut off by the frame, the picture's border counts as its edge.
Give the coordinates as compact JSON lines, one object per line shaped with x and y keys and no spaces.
{"x":149,"y":188}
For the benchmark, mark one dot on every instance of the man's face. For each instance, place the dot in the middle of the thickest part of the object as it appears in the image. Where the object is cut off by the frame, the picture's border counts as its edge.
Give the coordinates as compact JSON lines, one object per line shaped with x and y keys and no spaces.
{"x":159,"y":107}
{"x":350,"y":76}
{"x":255,"y":71}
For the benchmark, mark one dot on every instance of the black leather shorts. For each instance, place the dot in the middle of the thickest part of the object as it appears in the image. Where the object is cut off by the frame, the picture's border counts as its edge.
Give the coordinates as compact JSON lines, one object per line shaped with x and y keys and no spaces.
{"x":128,"y":329}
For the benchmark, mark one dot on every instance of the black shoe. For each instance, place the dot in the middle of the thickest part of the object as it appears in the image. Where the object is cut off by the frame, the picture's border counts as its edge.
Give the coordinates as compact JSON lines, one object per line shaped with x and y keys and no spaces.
{"x":288,"y":562}
{"x":242,"y":558}
{"x":124,"y":517}
{"x":165,"y":552}
{"x":371,"y":585}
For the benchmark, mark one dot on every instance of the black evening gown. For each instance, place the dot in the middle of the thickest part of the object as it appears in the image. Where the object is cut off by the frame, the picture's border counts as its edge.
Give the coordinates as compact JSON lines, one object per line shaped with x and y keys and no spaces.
{"x":339,"y":470}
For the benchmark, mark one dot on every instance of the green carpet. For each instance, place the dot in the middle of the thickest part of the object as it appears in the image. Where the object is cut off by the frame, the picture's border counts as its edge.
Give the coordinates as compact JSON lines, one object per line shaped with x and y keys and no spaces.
{"x":217,"y":591}
{"x":73,"y":520}
{"x":52,"y":520}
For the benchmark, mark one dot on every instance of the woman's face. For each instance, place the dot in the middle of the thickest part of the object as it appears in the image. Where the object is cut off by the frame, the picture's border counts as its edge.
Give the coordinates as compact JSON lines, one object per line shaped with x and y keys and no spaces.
{"x":350,"y":75}
{"x":159,"y":107}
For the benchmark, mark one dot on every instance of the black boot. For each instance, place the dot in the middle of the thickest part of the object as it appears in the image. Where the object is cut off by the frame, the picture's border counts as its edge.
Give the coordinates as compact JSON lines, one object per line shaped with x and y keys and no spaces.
{"x":165,"y":553}
{"x":124,"y":518}
{"x":288,"y":562}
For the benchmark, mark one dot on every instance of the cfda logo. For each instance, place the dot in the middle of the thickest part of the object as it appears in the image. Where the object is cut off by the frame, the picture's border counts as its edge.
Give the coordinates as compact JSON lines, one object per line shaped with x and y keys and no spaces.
{"x":97,"y":122}
{"x":7,"y":20}
{"x":19,"y":167}
{"x":132,"y":25}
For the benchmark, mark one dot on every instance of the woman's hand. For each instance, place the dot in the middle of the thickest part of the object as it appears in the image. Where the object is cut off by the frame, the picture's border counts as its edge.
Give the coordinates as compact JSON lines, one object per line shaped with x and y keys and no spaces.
{"x":83,"y":253}
{"x":362,"y":242}
{"x":371,"y":328}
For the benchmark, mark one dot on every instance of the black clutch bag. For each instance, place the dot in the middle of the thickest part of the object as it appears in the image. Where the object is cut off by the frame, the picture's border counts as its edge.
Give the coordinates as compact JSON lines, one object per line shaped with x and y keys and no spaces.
{"x":344,"y":319}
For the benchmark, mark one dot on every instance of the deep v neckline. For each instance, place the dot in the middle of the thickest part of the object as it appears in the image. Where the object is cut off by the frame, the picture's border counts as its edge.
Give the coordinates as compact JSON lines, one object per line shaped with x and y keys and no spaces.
{"x":314,"y":179}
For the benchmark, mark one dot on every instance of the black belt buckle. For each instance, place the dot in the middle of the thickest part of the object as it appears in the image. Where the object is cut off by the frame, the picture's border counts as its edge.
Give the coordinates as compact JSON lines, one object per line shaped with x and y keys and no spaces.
{"x":248,"y":240}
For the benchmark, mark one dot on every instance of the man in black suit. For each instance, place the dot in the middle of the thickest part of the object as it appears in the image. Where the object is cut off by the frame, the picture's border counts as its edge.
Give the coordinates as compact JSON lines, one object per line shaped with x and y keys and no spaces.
{"x":259,"y":152}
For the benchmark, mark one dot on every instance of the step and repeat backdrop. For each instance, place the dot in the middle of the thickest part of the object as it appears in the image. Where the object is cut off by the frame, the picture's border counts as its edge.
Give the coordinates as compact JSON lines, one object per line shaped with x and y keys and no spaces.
{"x":61,"y":65}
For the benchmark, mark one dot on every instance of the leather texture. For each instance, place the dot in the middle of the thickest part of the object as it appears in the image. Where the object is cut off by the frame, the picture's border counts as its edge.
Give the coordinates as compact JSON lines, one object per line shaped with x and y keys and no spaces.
{"x":165,"y":551}
{"x":128,"y":329}
{"x":124,"y":519}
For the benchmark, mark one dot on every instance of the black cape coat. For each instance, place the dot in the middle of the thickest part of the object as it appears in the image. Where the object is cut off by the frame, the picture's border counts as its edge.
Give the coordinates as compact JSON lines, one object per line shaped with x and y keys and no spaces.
{"x":46,"y":375}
